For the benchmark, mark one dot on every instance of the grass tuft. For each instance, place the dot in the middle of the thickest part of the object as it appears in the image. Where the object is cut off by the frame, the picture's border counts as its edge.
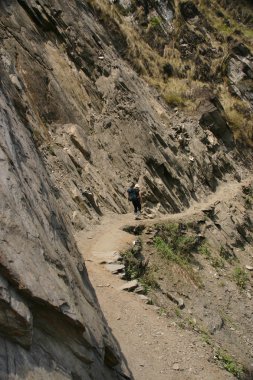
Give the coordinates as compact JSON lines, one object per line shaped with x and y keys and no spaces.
{"x":177,"y":246}
{"x":241,"y":277}
{"x":229,"y":363}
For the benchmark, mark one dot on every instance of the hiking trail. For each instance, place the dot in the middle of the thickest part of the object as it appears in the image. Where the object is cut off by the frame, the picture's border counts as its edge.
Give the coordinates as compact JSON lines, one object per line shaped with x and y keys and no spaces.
{"x":154,"y":347}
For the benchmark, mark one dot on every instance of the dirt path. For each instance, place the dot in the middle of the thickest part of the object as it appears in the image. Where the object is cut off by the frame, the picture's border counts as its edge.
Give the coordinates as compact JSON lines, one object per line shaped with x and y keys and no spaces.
{"x":153,"y":346}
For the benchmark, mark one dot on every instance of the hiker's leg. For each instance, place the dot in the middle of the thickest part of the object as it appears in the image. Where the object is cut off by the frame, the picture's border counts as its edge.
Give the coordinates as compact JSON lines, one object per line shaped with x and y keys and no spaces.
{"x":135,"y":206}
{"x":139,"y":205}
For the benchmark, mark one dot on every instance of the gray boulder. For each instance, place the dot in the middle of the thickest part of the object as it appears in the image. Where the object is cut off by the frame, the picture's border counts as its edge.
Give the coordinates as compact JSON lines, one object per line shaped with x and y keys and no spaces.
{"x":213,"y":119}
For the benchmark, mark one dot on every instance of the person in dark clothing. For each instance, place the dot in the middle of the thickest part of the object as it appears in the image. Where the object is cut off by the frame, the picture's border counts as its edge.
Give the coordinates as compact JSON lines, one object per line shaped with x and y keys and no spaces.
{"x":134,"y":196}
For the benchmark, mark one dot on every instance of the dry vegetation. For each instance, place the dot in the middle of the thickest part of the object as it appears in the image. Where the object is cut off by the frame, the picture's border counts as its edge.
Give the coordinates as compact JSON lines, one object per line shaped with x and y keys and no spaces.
{"x":239,"y":115}
{"x":149,"y":47}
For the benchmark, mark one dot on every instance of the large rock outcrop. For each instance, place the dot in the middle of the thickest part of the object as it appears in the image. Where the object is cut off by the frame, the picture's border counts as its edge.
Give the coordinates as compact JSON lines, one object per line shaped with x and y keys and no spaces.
{"x":50,"y":323}
{"x":240,"y":72}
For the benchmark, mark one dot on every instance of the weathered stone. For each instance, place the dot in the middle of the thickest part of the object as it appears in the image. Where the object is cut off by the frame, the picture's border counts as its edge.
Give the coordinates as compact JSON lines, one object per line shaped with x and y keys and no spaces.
{"x":214,"y":120}
{"x":189,"y":10}
{"x":16,"y":321}
{"x":139,"y":289}
{"x":78,"y":138}
{"x":240,"y":74}
{"x":115,"y":268}
{"x":176,"y":367}
{"x":214,"y":323}
{"x":241,"y":49}
{"x":129,"y":286}
{"x":135,"y":230}
{"x":180,"y":303}
{"x":144,"y":298}
{"x":114,"y":259}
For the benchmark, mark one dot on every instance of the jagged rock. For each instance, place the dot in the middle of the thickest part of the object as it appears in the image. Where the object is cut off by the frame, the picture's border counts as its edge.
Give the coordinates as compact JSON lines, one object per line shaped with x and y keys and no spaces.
{"x":114,"y":258}
{"x":136,"y":230}
{"x":93,"y":200}
{"x":235,"y":70}
{"x":176,"y":300}
{"x":78,"y":138}
{"x":107,"y":123}
{"x":77,"y":220}
{"x":180,"y":303}
{"x":144,"y":298}
{"x":189,"y":10}
{"x":214,"y":120}
{"x":240,"y":74}
{"x":214,"y":323}
{"x":139,"y":289}
{"x":16,"y":321}
{"x":122,"y":275}
{"x":129,"y":286}
{"x":115,"y":268}
{"x":176,"y":367}
{"x":241,"y":49}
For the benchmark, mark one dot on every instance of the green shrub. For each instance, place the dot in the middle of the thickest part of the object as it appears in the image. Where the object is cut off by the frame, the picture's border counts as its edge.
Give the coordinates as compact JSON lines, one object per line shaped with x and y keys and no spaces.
{"x":180,"y":243}
{"x":248,"y":202}
{"x":185,"y":244}
{"x":204,"y":250}
{"x":227,"y":254}
{"x":164,"y":249}
{"x":241,"y":277}
{"x":174,"y":244}
{"x":174,"y":99}
{"x":148,"y":280}
{"x":155,"y":22}
{"x":178,"y":312}
{"x":205,"y":337}
{"x":136,"y":269}
{"x":217,"y":262}
{"x":162,"y":311}
{"x":133,"y":266}
{"x":229,"y":363}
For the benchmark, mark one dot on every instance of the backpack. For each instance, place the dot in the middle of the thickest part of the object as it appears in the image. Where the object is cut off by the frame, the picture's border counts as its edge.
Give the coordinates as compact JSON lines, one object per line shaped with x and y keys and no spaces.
{"x":131,"y":194}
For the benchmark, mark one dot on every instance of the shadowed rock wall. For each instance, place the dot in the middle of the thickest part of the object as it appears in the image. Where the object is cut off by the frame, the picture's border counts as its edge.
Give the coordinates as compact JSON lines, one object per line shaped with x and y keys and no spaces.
{"x":50,"y":322}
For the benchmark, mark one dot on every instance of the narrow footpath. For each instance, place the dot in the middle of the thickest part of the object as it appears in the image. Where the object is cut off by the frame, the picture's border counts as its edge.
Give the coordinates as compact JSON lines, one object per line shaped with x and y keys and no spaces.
{"x":154,"y":347}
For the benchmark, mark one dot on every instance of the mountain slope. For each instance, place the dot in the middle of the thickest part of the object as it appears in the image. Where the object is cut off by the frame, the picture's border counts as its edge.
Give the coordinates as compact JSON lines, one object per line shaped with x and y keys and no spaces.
{"x":79,"y":121}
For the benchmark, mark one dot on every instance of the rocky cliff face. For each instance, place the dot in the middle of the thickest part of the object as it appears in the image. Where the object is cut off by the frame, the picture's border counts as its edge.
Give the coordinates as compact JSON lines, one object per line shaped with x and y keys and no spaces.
{"x":77,"y":124}
{"x":196,"y":46}
{"x":50,"y":323}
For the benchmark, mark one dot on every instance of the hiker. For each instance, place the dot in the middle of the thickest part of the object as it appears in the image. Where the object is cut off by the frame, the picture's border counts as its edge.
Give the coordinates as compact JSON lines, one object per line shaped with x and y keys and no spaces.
{"x":134,"y":196}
